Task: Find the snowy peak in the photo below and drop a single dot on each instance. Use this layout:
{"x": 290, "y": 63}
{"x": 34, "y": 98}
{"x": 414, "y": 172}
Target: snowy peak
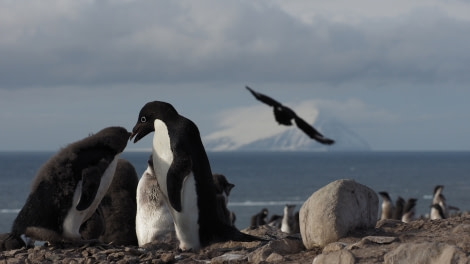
{"x": 254, "y": 129}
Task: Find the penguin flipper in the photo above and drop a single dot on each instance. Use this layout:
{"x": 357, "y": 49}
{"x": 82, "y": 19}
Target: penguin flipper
{"x": 91, "y": 178}
{"x": 177, "y": 172}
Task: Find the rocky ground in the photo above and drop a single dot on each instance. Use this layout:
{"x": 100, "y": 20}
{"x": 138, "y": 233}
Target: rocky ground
{"x": 425, "y": 241}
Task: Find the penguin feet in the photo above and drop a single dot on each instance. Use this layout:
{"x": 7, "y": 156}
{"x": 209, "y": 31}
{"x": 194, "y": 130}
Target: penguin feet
{"x": 184, "y": 250}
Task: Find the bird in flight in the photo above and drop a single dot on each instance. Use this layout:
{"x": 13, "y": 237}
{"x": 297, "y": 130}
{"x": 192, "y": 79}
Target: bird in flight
{"x": 284, "y": 116}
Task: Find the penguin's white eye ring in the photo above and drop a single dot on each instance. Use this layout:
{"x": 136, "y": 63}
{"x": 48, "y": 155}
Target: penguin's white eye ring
{"x": 143, "y": 119}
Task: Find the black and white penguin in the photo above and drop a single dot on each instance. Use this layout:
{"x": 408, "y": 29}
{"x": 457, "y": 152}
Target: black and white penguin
{"x": 288, "y": 219}
{"x": 399, "y": 205}
{"x": 259, "y": 219}
{"x": 69, "y": 187}
{"x": 222, "y": 189}
{"x": 153, "y": 220}
{"x": 436, "y": 212}
{"x": 439, "y": 198}
{"x": 275, "y": 221}
{"x": 185, "y": 177}
{"x": 387, "y": 206}
{"x": 409, "y": 210}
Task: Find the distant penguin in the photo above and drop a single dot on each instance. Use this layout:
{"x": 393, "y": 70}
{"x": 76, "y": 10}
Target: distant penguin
{"x": 153, "y": 219}
{"x": 185, "y": 177}
{"x": 288, "y": 219}
{"x": 297, "y": 223}
{"x": 438, "y": 198}
{"x": 259, "y": 219}
{"x": 409, "y": 210}
{"x": 436, "y": 212}
{"x": 275, "y": 221}
{"x": 69, "y": 187}
{"x": 387, "y": 206}
{"x": 222, "y": 185}
{"x": 398, "y": 211}
{"x": 223, "y": 188}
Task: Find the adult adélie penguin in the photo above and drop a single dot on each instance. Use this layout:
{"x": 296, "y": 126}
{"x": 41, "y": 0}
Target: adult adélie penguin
{"x": 185, "y": 177}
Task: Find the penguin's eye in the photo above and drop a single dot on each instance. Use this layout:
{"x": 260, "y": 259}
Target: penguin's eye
{"x": 143, "y": 119}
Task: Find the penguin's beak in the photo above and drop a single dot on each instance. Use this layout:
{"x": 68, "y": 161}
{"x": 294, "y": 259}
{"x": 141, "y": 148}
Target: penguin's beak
{"x": 135, "y": 133}
{"x": 131, "y": 136}
{"x": 139, "y": 131}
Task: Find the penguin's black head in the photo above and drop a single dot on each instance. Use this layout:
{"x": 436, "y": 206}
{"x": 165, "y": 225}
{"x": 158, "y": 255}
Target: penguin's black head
{"x": 148, "y": 114}
{"x": 385, "y": 196}
{"x": 438, "y": 188}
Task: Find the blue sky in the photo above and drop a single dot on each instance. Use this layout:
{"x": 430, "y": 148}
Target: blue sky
{"x": 396, "y": 75}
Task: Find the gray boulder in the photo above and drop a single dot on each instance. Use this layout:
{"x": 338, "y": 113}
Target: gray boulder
{"x": 426, "y": 252}
{"x": 334, "y": 210}
{"x": 342, "y": 256}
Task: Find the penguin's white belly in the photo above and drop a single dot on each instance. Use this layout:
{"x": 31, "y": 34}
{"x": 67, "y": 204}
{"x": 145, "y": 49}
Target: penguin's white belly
{"x": 186, "y": 221}
{"x": 74, "y": 217}
{"x": 435, "y": 214}
{"x": 153, "y": 219}
{"x": 386, "y": 210}
{"x": 285, "y": 226}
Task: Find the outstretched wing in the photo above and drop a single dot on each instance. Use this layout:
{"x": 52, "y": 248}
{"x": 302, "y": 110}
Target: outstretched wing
{"x": 312, "y": 132}
{"x": 263, "y": 98}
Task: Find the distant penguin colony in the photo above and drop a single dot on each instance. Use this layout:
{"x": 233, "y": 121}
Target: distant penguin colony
{"x": 184, "y": 175}
{"x": 69, "y": 187}
{"x": 284, "y": 116}
{"x": 153, "y": 219}
{"x": 403, "y": 211}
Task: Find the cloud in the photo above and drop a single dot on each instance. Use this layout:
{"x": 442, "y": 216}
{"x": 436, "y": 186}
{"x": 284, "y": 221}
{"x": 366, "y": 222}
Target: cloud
{"x": 91, "y": 43}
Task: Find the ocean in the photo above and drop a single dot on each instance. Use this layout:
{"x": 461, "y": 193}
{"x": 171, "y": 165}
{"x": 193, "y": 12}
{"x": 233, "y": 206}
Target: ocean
{"x": 273, "y": 179}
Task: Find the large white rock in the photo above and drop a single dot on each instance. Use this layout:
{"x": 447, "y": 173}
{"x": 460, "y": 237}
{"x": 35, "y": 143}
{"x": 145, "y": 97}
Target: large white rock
{"x": 334, "y": 210}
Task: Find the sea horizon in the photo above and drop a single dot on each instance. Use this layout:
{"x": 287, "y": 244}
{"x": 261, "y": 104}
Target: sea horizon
{"x": 271, "y": 179}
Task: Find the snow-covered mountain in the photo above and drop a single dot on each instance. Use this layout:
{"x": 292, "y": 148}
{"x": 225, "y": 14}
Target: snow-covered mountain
{"x": 258, "y": 131}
